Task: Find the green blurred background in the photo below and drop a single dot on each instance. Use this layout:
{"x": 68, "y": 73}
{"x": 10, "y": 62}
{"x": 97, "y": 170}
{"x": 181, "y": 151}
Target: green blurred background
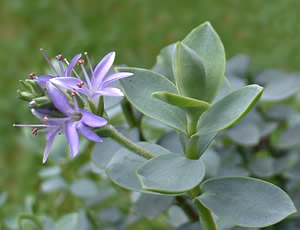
{"x": 268, "y": 31}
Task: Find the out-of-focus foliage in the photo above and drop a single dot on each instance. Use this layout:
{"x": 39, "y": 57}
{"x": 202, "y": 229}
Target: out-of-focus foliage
{"x": 136, "y": 30}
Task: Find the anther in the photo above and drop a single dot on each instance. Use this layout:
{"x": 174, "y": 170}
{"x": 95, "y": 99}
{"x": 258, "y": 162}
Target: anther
{"x": 46, "y": 118}
{"x": 80, "y": 84}
{"x": 35, "y": 131}
{"x": 80, "y": 62}
{"x": 73, "y": 92}
{"x": 59, "y": 57}
{"x": 32, "y": 75}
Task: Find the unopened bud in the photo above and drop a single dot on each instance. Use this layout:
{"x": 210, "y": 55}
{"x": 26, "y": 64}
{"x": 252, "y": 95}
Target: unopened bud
{"x": 26, "y": 96}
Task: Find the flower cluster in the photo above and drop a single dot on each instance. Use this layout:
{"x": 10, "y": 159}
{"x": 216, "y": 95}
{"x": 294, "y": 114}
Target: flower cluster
{"x": 67, "y": 112}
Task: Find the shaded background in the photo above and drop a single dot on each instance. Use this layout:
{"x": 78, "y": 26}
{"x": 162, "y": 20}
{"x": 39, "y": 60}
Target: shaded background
{"x": 267, "y": 31}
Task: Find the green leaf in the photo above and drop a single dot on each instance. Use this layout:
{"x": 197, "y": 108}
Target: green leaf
{"x": 229, "y": 110}
{"x": 122, "y": 166}
{"x": 207, "y": 44}
{"x": 164, "y": 62}
{"x": 68, "y": 222}
{"x": 151, "y": 205}
{"x": 245, "y": 133}
{"x": 282, "y": 88}
{"x": 160, "y": 174}
{"x": 189, "y": 73}
{"x": 225, "y": 89}
{"x": 138, "y": 90}
{"x": 245, "y": 201}
{"x": 84, "y": 188}
{"x": 238, "y": 65}
{"x": 290, "y": 137}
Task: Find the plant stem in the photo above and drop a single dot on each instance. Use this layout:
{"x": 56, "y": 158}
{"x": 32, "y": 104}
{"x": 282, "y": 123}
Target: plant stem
{"x": 121, "y": 139}
{"x": 206, "y": 219}
{"x": 188, "y": 209}
{"x": 128, "y": 112}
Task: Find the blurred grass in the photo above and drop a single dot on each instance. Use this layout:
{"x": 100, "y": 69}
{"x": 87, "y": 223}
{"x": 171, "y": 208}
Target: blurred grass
{"x": 268, "y": 31}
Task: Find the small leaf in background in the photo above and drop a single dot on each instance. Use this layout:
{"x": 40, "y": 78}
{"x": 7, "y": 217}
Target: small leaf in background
{"x": 150, "y": 205}
{"x": 176, "y": 216}
{"x": 238, "y": 65}
{"x": 206, "y": 43}
{"x": 263, "y": 167}
{"x": 68, "y": 222}
{"x": 290, "y": 138}
{"x": 282, "y": 88}
{"x": 225, "y": 89}
{"x": 138, "y": 90}
{"x": 50, "y": 171}
{"x": 110, "y": 215}
{"x": 171, "y": 142}
{"x": 245, "y": 133}
{"x": 84, "y": 188}
{"x": 246, "y": 202}
{"x": 269, "y": 75}
{"x": 3, "y": 198}
{"x": 229, "y": 110}
{"x": 160, "y": 174}
{"x": 54, "y": 184}
{"x": 190, "y": 226}
{"x": 212, "y": 162}
{"x": 121, "y": 168}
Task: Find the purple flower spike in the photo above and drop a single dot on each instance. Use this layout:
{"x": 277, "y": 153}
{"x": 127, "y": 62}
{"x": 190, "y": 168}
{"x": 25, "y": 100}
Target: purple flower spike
{"x": 96, "y": 84}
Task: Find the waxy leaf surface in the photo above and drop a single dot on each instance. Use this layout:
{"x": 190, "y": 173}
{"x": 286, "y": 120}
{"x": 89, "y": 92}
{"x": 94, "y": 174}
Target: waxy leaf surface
{"x": 138, "y": 90}
{"x": 245, "y": 201}
{"x": 229, "y": 110}
{"x": 171, "y": 173}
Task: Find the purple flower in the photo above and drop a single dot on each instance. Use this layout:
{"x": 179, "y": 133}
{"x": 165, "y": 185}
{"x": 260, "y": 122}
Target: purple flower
{"x": 76, "y": 120}
{"x": 97, "y": 84}
{"x": 42, "y": 80}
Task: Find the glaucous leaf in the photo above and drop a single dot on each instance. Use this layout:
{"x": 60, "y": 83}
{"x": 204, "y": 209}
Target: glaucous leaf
{"x": 245, "y": 133}
{"x": 207, "y": 44}
{"x": 263, "y": 167}
{"x": 238, "y": 65}
{"x": 68, "y": 222}
{"x": 229, "y": 110}
{"x": 212, "y": 162}
{"x": 269, "y": 75}
{"x": 53, "y": 184}
{"x": 121, "y": 168}
{"x": 282, "y": 88}
{"x": 171, "y": 142}
{"x": 189, "y": 73}
{"x": 225, "y": 89}
{"x": 50, "y": 171}
{"x": 151, "y": 205}
{"x": 177, "y": 217}
{"x": 84, "y": 188}
{"x": 138, "y": 90}
{"x": 290, "y": 137}
{"x": 3, "y": 198}
{"x": 160, "y": 174}
{"x": 245, "y": 201}
{"x": 111, "y": 215}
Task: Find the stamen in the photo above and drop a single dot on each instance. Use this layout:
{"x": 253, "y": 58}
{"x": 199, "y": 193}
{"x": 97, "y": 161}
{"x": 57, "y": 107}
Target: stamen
{"x": 90, "y": 65}
{"x": 73, "y": 92}
{"x": 31, "y": 75}
{"x": 86, "y": 75}
{"x": 47, "y": 59}
{"x": 66, "y": 61}
{"x": 59, "y": 58}
{"x": 80, "y": 62}
{"x": 75, "y": 102}
{"x": 35, "y": 131}
{"x": 80, "y": 84}
{"x": 30, "y": 125}
{"x": 46, "y": 118}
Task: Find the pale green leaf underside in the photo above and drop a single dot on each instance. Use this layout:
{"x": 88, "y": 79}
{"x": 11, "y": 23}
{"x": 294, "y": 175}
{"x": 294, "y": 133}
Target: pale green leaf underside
{"x": 171, "y": 173}
{"x": 229, "y": 110}
{"x": 246, "y": 201}
{"x": 138, "y": 90}
{"x": 207, "y": 44}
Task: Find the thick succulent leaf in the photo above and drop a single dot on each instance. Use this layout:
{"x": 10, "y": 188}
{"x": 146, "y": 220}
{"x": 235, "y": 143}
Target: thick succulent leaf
{"x": 122, "y": 166}
{"x": 164, "y": 62}
{"x": 229, "y": 110}
{"x": 84, "y": 188}
{"x": 245, "y": 133}
{"x": 290, "y": 137}
{"x": 245, "y": 201}
{"x": 138, "y": 90}
{"x": 238, "y": 65}
{"x": 151, "y": 205}
{"x": 189, "y": 73}
{"x": 207, "y": 44}
{"x": 282, "y": 88}
{"x": 161, "y": 174}
{"x": 225, "y": 89}
{"x": 212, "y": 162}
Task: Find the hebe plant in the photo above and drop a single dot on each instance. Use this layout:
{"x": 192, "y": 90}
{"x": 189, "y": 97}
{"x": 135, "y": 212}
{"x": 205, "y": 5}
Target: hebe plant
{"x": 168, "y": 152}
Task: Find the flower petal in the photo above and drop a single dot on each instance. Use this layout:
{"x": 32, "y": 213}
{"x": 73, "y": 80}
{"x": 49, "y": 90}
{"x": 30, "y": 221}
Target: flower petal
{"x": 110, "y": 91}
{"x": 50, "y": 136}
{"x": 102, "y": 69}
{"x": 91, "y": 119}
{"x": 52, "y": 121}
{"x": 88, "y": 133}
{"x": 70, "y": 83}
{"x": 72, "y": 137}
{"x": 59, "y": 100}
{"x": 71, "y": 65}
{"x": 42, "y": 80}
{"x": 115, "y": 76}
